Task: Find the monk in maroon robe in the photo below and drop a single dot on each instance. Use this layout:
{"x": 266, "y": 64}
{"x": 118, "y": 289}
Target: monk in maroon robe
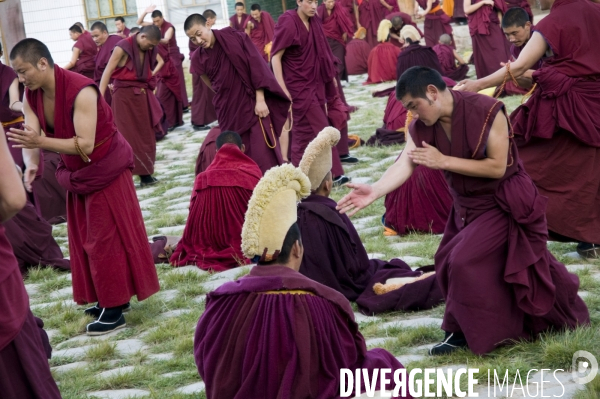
{"x": 349, "y": 6}
{"x": 398, "y": 20}
{"x": 490, "y": 47}
{"x": 357, "y": 56}
{"x": 106, "y": 43}
{"x": 23, "y": 357}
{"x": 560, "y": 146}
{"x": 212, "y": 236}
{"x": 84, "y": 52}
{"x": 448, "y": 57}
{"x": 338, "y": 28}
{"x": 497, "y": 221}
{"x": 416, "y": 55}
{"x": 371, "y": 13}
{"x": 247, "y": 98}
{"x": 208, "y": 150}
{"x": 122, "y": 30}
{"x": 169, "y": 40}
{"x": 381, "y": 64}
{"x": 436, "y": 21}
{"x": 259, "y": 25}
{"x": 237, "y": 21}
{"x": 168, "y": 91}
{"x": 203, "y": 110}
{"x": 304, "y": 67}
{"x": 11, "y": 107}
{"x": 138, "y": 114}
{"x": 110, "y": 256}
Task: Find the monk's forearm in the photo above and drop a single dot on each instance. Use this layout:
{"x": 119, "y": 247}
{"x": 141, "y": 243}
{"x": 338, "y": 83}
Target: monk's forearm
{"x": 31, "y": 157}
{"x": 394, "y": 177}
{"x": 489, "y": 168}
{"x": 66, "y": 146}
{"x": 68, "y": 66}
{"x": 140, "y": 20}
{"x": 278, "y": 72}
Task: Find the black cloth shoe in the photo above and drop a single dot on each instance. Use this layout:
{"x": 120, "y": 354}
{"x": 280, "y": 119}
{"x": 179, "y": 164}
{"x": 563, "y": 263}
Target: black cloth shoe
{"x": 147, "y": 180}
{"x": 347, "y": 159}
{"x": 95, "y": 310}
{"x": 200, "y": 127}
{"x": 186, "y": 110}
{"x": 340, "y": 180}
{"x": 110, "y": 319}
{"x": 588, "y": 251}
{"x": 451, "y": 343}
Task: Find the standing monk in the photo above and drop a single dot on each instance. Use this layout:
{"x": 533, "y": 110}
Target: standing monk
{"x": 490, "y": 47}
{"x": 259, "y": 26}
{"x": 493, "y": 266}
{"x": 138, "y": 113}
{"x": 557, "y": 129}
{"x": 84, "y": 52}
{"x": 122, "y": 30}
{"x": 237, "y": 21}
{"x": 338, "y": 28}
{"x": 167, "y": 31}
{"x": 257, "y": 108}
{"x": 106, "y": 43}
{"x": 110, "y": 256}
{"x": 203, "y": 110}
{"x": 304, "y": 67}
{"x": 370, "y": 13}
{"x": 436, "y": 21}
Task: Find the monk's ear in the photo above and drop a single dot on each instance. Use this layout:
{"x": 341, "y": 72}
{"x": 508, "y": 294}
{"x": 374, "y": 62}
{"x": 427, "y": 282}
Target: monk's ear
{"x": 243, "y": 148}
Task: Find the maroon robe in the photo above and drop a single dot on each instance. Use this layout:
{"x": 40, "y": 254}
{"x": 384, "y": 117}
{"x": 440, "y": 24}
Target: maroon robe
{"x": 208, "y": 150}
{"x": 558, "y": 129}
{"x": 231, "y": 61}
{"x": 357, "y": 56}
{"x": 335, "y": 25}
{"x": 237, "y": 24}
{"x": 490, "y": 46}
{"x": 49, "y": 196}
{"x": 262, "y": 33}
{"x": 417, "y": 55}
{"x": 125, "y": 32}
{"x": 31, "y": 239}
{"x": 459, "y": 10}
{"x": 256, "y": 339}
{"x": 168, "y": 91}
{"x": 23, "y": 358}
{"x": 348, "y": 7}
{"x": 309, "y": 72}
{"x": 9, "y": 118}
{"x": 177, "y": 59}
{"x": 436, "y": 23}
{"x": 510, "y": 88}
{"x": 338, "y": 114}
{"x": 382, "y": 63}
{"x": 212, "y": 238}
{"x": 85, "y": 64}
{"x": 445, "y": 54}
{"x": 203, "y": 110}
{"x": 370, "y": 14}
{"x": 499, "y": 223}
{"x": 110, "y": 256}
{"x": 101, "y": 60}
{"x": 407, "y": 20}
{"x": 136, "y": 110}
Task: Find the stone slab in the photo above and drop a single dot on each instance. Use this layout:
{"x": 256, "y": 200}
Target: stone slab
{"x": 405, "y": 359}
{"x": 69, "y": 366}
{"x": 67, "y": 291}
{"x": 188, "y": 269}
{"x": 178, "y": 190}
{"x": 119, "y": 394}
{"x": 129, "y": 346}
{"x": 361, "y": 318}
{"x": 117, "y": 371}
{"x": 371, "y": 342}
{"x": 161, "y": 356}
{"x": 192, "y": 388}
{"x": 422, "y": 321}
{"x": 175, "y": 313}
{"x": 401, "y": 246}
{"x": 214, "y": 284}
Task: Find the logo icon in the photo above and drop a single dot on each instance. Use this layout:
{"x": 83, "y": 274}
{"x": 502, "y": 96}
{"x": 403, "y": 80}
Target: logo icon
{"x": 585, "y": 367}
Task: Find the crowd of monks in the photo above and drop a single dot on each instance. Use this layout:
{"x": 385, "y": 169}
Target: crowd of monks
{"x": 497, "y": 186}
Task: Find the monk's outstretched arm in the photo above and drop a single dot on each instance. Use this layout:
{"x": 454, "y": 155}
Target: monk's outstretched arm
{"x": 112, "y": 64}
{"x": 159, "y": 64}
{"x": 74, "y": 58}
{"x": 492, "y": 167}
{"x": 31, "y": 157}
{"x": 148, "y": 10}
{"x": 15, "y": 102}
{"x": 535, "y": 49}
{"x": 278, "y": 71}
{"x": 12, "y": 195}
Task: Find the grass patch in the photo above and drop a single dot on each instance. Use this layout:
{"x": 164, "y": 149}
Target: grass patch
{"x": 103, "y": 350}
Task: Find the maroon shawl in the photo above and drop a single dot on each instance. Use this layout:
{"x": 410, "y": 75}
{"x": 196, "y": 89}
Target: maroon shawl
{"x": 239, "y": 26}
{"x": 87, "y": 54}
{"x": 108, "y": 160}
{"x": 336, "y": 24}
{"x": 479, "y": 21}
{"x": 7, "y": 77}
{"x": 263, "y": 31}
{"x": 172, "y": 45}
{"x": 103, "y": 56}
{"x": 417, "y": 55}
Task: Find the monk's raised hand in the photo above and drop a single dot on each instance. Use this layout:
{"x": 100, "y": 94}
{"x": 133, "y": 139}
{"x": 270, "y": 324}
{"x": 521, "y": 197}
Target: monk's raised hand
{"x": 428, "y": 156}
{"x": 26, "y": 138}
{"x": 361, "y": 196}
{"x": 261, "y": 109}
{"x": 150, "y": 8}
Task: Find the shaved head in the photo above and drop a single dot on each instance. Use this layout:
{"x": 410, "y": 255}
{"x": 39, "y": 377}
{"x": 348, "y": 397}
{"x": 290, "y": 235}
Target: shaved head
{"x": 99, "y": 26}
{"x": 31, "y": 51}
{"x": 194, "y": 19}
{"x": 229, "y": 137}
{"x": 152, "y": 32}
{"x": 397, "y": 22}
{"x": 209, "y": 14}
{"x": 446, "y": 39}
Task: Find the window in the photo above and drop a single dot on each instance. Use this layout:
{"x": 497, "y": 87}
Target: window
{"x": 106, "y": 11}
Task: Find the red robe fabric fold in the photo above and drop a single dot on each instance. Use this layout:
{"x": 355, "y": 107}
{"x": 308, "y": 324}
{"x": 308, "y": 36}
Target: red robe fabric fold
{"x": 254, "y": 342}
{"x": 414, "y": 55}
{"x": 558, "y": 130}
{"x": 348, "y": 7}
{"x": 448, "y": 64}
{"x": 262, "y": 33}
{"x": 87, "y": 54}
{"x": 234, "y": 60}
{"x": 436, "y": 23}
{"x": 110, "y": 256}
{"x": 335, "y": 24}
{"x": 370, "y": 14}
{"x": 357, "y": 57}
{"x": 168, "y": 90}
{"x": 101, "y": 60}
{"x": 499, "y": 223}
{"x": 203, "y": 110}
{"x": 49, "y": 196}
{"x": 238, "y": 24}
{"x": 177, "y": 59}
{"x": 382, "y": 63}
{"x": 212, "y": 238}
{"x": 208, "y": 150}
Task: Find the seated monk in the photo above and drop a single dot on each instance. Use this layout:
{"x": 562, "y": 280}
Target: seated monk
{"x": 333, "y": 252}
{"x": 208, "y": 150}
{"x": 162, "y": 248}
{"x": 381, "y": 65}
{"x": 448, "y": 58}
{"x": 399, "y": 19}
{"x": 414, "y": 54}
{"x": 211, "y": 238}
{"x": 295, "y": 333}
{"x": 357, "y": 55}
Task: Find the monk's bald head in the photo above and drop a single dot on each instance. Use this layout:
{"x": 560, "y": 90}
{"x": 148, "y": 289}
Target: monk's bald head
{"x": 197, "y": 28}
{"x": 422, "y": 91}
{"x": 516, "y": 26}
{"x": 397, "y": 22}
{"x": 446, "y": 39}
{"x": 192, "y": 20}
{"x": 99, "y": 33}
{"x": 32, "y": 62}
{"x": 31, "y": 51}
{"x": 229, "y": 137}
{"x": 211, "y": 17}
{"x": 152, "y": 32}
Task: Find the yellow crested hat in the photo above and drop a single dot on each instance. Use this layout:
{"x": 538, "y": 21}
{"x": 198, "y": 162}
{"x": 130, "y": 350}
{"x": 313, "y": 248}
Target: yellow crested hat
{"x": 409, "y": 31}
{"x": 383, "y": 31}
{"x": 316, "y": 161}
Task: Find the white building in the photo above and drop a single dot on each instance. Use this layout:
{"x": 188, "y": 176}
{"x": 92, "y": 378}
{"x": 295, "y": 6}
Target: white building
{"x": 50, "y": 20}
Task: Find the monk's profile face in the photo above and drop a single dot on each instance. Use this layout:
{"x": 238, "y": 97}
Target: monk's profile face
{"x": 145, "y": 43}
{"x": 427, "y": 109}
{"x": 120, "y": 25}
{"x": 99, "y": 37}
{"x": 329, "y": 4}
{"x": 200, "y": 35}
{"x": 518, "y": 35}
{"x": 210, "y": 22}
{"x": 31, "y": 76}
{"x": 158, "y": 21}
{"x": 239, "y": 11}
{"x": 307, "y": 7}
{"x": 74, "y": 35}
{"x": 255, "y": 14}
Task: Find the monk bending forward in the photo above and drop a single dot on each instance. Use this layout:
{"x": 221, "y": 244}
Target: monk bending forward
{"x": 499, "y": 280}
